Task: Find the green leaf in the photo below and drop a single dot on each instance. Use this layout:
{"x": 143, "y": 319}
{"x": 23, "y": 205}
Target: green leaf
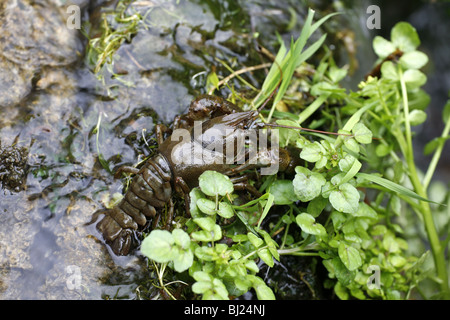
{"x": 382, "y": 47}
{"x": 255, "y": 240}
{"x": 312, "y": 152}
{"x": 338, "y": 269}
{"x": 383, "y": 150}
{"x": 396, "y": 188}
{"x": 205, "y": 253}
{"x": 242, "y": 283}
{"x": 271, "y": 244}
{"x": 346, "y": 163}
{"x": 418, "y": 99}
{"x": 252, "y": 266}
{"x": 283, "y": 192}
{"x": 414, "y": 78}
{"x": 183, "y": 260}
{"x": 341, "y": 291}
{"x": 338, "y": 219}
{"x": 307, "y": 184}
{"x": 181, "y": 238}
{"x": 323, "y": 88}
{"x": 206, "y": 206}
{"x": 220, "y": 291}
{"x": 202, "y": 276}
{"x": 366, "y": 211}
{"x": 267, "y": 206}
{"x": 158, "y": 246}
{"x": 287, "y": 135}
{"x": 266, "y": 256}
{"x": 263, "y": 292}
{"x": 213, "y": 183}
{"x": 350, "y": 256}
{"x": 388, "y": 71}
{"x": 309, "y": 225}
{"x": 413, "y": 60}
{"x": 362, "y": 133}
{"x": 337, "y": 74}
{"x": 211, "y": 288}
{"x": 352, "y": 145}
{"x": 316, "y": 206}
{"x": 404, "y": 36}
{"x": 397, "y": 260}
{"x": 351, "y": 172}
{"x": 225, "y": 210}
{"x": 433, "y": 144}
{"x": 201, "y": 287}
{"x": 346, "y": 199}
{"x": 205, "y": 223}
{"x": 212, "y": 80}
{"x": 194, "y": 195}
{"x": 292, "y": 60}
{"x": 206, "y": 236}
{"x": 446, "y": 112}
{"x": 417, "y": 117}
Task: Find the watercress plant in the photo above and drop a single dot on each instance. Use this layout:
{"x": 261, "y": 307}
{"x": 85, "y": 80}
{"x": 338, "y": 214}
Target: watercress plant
{"x": 350, "y": 198}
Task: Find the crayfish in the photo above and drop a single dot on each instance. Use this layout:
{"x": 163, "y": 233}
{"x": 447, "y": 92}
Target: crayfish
{"x": 209, "y": 133}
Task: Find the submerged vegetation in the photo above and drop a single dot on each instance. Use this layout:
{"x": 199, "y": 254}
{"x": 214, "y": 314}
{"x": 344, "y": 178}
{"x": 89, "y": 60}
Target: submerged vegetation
{"x": 354, "y": 205}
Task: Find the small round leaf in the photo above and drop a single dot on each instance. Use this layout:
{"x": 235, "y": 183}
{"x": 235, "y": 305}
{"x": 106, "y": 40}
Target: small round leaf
{"x": 307, "y": 184}
{"x": 206, "y": 206}
{"x": 312, "y": 152}
{"x": 225, "y": 210}
{"x": 382, "y": 47}
{"x": 283, "y": 192}
{"x": 413, "y": 60}
{"x": 362, "y": 133}
{"x": 181, "y": 238}
{"x": 404, "y": 36}
{"x": 350, "y": 256}
{"x": 417, "y": 117}
{"x": 158, "y": 246}
{"x": 414, "y": 78}
{"x": 213, "y": 183}
{"x": 309, "y": 225}
{"x": 346, "y": 199}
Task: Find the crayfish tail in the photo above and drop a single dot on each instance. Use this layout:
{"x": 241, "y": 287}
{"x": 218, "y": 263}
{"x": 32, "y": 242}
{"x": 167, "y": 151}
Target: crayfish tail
{"x": 118, "y": 230}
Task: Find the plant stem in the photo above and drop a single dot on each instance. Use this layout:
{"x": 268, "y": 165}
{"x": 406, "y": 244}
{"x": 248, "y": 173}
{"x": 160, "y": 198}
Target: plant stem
{"x": 436, "y": 156}
{"x": 436, "y": 248}
{"x": 297, "y": 251}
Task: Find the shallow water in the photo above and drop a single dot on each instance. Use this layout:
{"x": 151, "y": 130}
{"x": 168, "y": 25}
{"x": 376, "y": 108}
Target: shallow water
{"x": 52, "y": 103}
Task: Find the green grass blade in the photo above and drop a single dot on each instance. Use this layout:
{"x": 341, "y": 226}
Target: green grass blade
{"x": 267, "y": 207}
{"x": 393, "y": 186}
{"x": 305, "y": 114}
{"x": 352, "y": 172}
{"x": 321, "y": 21}
{"x": 313, "y": 48}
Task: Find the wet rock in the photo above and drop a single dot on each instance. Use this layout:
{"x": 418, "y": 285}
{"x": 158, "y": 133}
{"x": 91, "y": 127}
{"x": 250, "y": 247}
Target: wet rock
{"x": 16, "y": 236}
{"x": 15, "y": 82}
{"x": 34, "y": 33}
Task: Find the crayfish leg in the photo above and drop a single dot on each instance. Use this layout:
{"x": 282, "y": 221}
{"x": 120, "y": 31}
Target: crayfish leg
{"x": 245, "y": 185}
{"x": 126, "y": 169}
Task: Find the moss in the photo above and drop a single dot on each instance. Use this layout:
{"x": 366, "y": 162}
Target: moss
{"x": 13, "y": 167}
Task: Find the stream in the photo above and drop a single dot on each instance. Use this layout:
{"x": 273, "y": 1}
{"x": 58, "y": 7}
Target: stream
{"x": 57, "y": 117}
